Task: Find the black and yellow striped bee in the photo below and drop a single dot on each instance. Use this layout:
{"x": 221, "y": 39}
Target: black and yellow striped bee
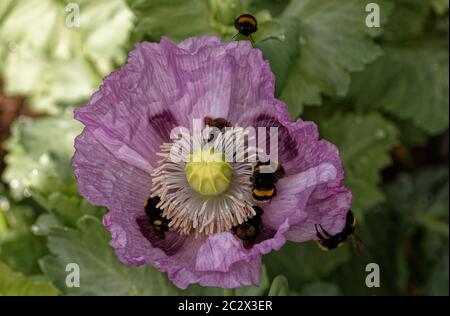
{"x": 263, "y": 184}
{"x": 328, "y": 242}
{"x": 246, "y": 25}
{"x": 249, "y": 231}
{"x": 154, "y": 214}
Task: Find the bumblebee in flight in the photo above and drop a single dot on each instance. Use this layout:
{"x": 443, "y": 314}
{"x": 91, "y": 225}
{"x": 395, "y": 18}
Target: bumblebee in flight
{"x": 263, "y": 184}
{"x": 246, "y": 25}
{"x": 328, "y": 242}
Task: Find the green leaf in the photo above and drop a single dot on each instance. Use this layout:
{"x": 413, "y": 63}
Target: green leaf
{"x": 19, "y": 247}
{"x": 35, "y": 164}
{"x": 407, "y": 20}
{"x": 15, "y": 284}
{"x": 69, "y": 209}
{"x": 438, "y": 283}
{"x": 101, "y": 273}
{"x": 410, "y": 82}
{"x": 410, "y": 134}
{"x": 384, "y": 235}
{"x": 424, "y": 198}
{"x": 321, "y": 289}
{"x": 44, "y": 223}
{"x": 268, "y": 30}
{"x": 299, "y": 262}
{"x": 440, "y": 6}
{"x": 334, "y": 41}
{"x": 350, "y": 278}
{"x": 422, "y": 201}
{"x": 275, "y": 7}
{"x": 279, "y": 286}
{"x": 42, "y": 169}
{"x": 56, "y": 64}
{"x": 406, "y": 250}
{"x": 21, "y": 250}
{"x": 162, "y": 18}
{"x": 223, "y": 12}
{"x": 282, "y": 53}
{"x": 364, "y": 143}
{"x": 4, "y": 203}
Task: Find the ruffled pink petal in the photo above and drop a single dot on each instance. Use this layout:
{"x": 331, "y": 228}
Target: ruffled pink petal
{"x": 194, "y": 44}
{"x": 130, "y": 112}
{"x": 184, "y": 265}
{"x": 239, "y": 274}
{"x": 326, "y": 206}
{"x": 313, "y": 187}
{"x": 253, "y": 87}
{"x": 206, "y": 71}
{"x": 106, "y": 180}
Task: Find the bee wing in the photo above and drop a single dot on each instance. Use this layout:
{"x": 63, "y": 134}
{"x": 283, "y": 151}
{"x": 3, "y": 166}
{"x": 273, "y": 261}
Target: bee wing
{"x": 359, "y": 246}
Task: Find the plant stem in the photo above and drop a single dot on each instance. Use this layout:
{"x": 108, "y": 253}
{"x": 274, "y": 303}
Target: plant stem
{"x": 3, "y": 224}
{"x": 229, "y": 292}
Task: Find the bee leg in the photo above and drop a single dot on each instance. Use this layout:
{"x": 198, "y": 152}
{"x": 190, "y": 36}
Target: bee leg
{"x": 318, "y": 234}
{"x": 251, "y": 39}
{"x": 324, "y": 231}
{"x": 235, "y": 36}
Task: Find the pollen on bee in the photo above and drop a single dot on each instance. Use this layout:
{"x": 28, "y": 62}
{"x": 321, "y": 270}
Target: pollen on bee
{"x": 267, "y": 193}
{"x": 246, "y": 19}
{"x": 157, "y": 222}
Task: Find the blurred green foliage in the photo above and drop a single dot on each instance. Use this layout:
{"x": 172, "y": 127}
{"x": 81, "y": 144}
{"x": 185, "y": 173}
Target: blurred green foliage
{"x": 377, "y": 93}
{"x": 13, "y": 283}
{"x": 53, "y": 64}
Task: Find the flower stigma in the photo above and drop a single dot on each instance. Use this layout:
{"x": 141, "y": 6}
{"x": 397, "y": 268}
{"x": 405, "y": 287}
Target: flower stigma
{"x": 208, "y": 173}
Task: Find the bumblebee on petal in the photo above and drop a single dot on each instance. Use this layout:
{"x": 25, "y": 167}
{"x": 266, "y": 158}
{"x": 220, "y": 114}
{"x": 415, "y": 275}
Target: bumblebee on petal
{"x": 250, "y": 230}
{"x": 219, "y": 123}
{"x": 263, "y": 183}
{"x": 328, "y": 242}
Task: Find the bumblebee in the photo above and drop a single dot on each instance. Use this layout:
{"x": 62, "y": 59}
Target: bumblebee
{"x": 328, "y": 242}
{"x": 219, "y": 123}
{"x": 154, "y": 214}
{"x": 250, "y": 230}
{"x": 246, "y": 25}
{"x": 263, "y": 184}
